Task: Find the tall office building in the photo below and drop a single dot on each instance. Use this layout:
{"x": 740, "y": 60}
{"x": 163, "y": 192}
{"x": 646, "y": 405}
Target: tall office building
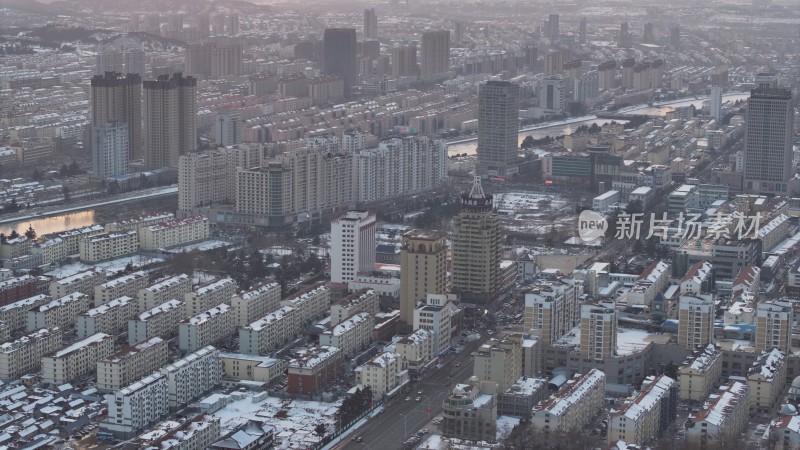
{"x": 675, "y": 37}
{"x": 476, "y": 248}
{"x": 768, "y": 141}
{"x": 204, "y": 25}
{"x": 170, "y": 119}
{"x": 624, "y": 35}
{"x": 598, "y": 331}
{"x": 135, "y": 22}
{"x": 423, "y": 270}
{"x": 134, "y": 61}
{"x": 774, "y": 325}
{"x": 110, "y": 149}
{"x": 715, "y": 103}
{"x": 695, "y": 321}
{"x": 582, "y": 31}
{"x": 219, "y": 25}
{"x": 458, "y": 34}
{"x": 352, "y": 246}
{"x": 404, "y": 61}
{"x": 606, "y": 72}
{"x": 119, "y": 99}
{"x": 435, "y": 48}
{"x": 176, "y": 21}
{"x": 228, "y": 129}
{"x": 233, "y": 24}
{"x": 339, "y": 56}
{"x": 648, "y": 37}
{"x": 370, "y": 24}
{"x": 152, "y": 23}
{"x": 498, "y": 126}
{"x": 108, "y": 61}
{"x": 553, "y": 32}
{"x": 551, "y": 95}
{"x": 213, "y": 60}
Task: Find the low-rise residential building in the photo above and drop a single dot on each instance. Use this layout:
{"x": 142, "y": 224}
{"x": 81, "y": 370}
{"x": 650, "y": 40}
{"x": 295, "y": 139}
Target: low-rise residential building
{"x": 360, "y": 301}
{"x": 645, "y": 416}
{"x": 77, "y": 359}
{"x": 383, "y": 373}
{"x": 785, "y": 433}
{"x": 124, "y": 286}
{"x": 165, "y": 289}
{"x": 192, "y": 376}
{"x": 206, "y": 328}
{"x": 134, "y": 223}
{"x": 698, "y": 279}
{"x": 499, "y": 360}
{"x": 313, "y": 369}
{"x": 137, "y": 406}
{"x": 574, "y": 405}
{"x": 197, "y": 433}
{"x": 15, "y": 315}
{"x": 722, "y": 418}
{"x": 101, "y": 247}
{"x": 651, "y": 281}
{"x": 257, "y": 302}
{"x": 130, "y": 363}
{"x": 18, "y": 288}
{"x": 71, "y": 238}
{"x": 419, "y": 351}
{"x": 174, "y": 233}
{"x": 270, "y": 332}
{"x": 470, "y": 411}
{"x": 208, "y": 295}
{"x": 311, "y": 305}
{"x": 253, "y": 435}
{"x": 519, "y": 399}
{"x": 62, "y": 312}
{"x": 767, "y": 379}
{"x": 52, "y": 251}
{"x": 83, "y": 282}
{"x": 24, "y": 355}
{"x": 159, "y": 321}
{"x": 111, "y": 317}
{"x": 239, "y": 366}
{"x": 700, "y": 374}
{"x": 351, "y": 335}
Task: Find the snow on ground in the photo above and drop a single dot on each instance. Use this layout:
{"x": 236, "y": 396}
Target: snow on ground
{"x": 294, "y": 420}
{"x": 110, "y": 267}
{"x": 201, "y": 246}
{"x": 504, "y": 426}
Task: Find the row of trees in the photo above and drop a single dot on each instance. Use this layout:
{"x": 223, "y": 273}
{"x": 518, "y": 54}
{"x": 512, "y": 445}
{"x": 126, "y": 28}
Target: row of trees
{"x": 248, "y": 267}
{"x": 355, "y": 405}
{"x": 30, "y": 233}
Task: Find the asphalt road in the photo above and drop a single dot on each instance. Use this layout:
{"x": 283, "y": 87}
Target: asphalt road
{"x": 401, "y": 419}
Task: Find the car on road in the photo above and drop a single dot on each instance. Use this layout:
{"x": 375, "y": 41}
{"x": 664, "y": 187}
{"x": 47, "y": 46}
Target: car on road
{"x": 424, "y": 431}
{"x": 473, "y": 354}
{"x": 419, "y": 392}
{"x": 418, "y": 399}
{"x": 408, "y": 399}
{"x": 458, "y": 364}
